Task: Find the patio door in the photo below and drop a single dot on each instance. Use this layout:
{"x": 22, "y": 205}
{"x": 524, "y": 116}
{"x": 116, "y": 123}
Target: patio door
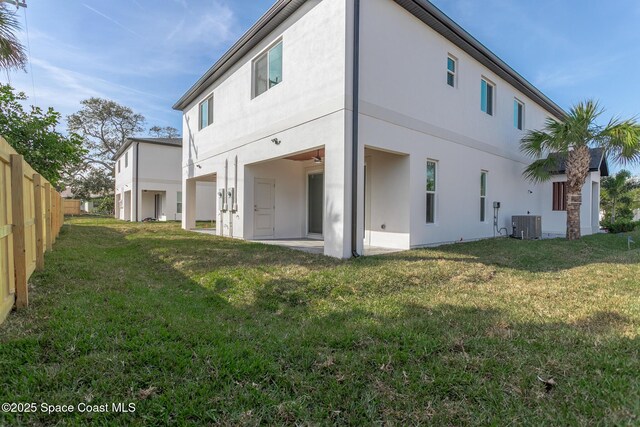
{"x": 315, "y": 203}
{"x": 264, "y": 207}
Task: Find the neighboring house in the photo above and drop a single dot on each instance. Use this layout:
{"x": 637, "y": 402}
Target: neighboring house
{"x": 420, "y": 159}
{"x": 149, "y": 182}
{"x": 636, "y": 214}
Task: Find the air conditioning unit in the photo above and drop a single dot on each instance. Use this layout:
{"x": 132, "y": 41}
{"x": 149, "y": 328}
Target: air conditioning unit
{"x": 527, "y": 227}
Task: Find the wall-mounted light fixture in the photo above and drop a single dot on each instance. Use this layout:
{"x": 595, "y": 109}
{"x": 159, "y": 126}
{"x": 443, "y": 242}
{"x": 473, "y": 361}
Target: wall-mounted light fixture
{"x": 199, "y": 167}
{"x": 317, "y": 158}
{"x": 276, "y": 141}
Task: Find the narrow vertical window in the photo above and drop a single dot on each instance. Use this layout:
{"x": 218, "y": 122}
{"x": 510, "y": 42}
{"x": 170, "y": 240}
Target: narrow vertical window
{"x": 126, "y": 159}
{"x": 206, "y": 113}
{"x": 451, "y": 70}
{"x": 431, "y": 186}
{"x": 483, "y": 196}
{"x": 518, "y": 114}
{"x": 267, "y": 70}
{"x": 179, "y": 203}
{"x": 487, "y": 96}
{"x": 559, "y": 196}
{"x": 119, "y": 169}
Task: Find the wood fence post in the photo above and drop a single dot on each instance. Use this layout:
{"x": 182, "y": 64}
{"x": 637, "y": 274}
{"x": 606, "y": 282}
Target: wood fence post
{"x": 19, "y": 249}
{"x": 54, "y": 214}
{"x": 37, "y": 204}
{"x": 47, "y": 205}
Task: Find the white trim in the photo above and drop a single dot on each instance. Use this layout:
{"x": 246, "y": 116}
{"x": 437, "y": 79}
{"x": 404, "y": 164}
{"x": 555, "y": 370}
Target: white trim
{"x": 454, "y": 72}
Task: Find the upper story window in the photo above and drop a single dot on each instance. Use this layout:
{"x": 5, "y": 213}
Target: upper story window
{"x": 126, "y": 160}
{"x": 452, "y": 66}
{"x": 267, "y": 70}
{"x": 205, "y": 115}
{"x": 487, "y": 96}
{"x": 119, "y": 166}
{"x": 518, "y": 114}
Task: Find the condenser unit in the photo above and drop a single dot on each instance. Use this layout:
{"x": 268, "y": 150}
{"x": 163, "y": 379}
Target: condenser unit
{"x": 527, "y": 227}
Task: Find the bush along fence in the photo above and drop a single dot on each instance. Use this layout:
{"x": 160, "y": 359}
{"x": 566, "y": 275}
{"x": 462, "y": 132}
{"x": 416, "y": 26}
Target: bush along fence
{"x": 31, "y": 215}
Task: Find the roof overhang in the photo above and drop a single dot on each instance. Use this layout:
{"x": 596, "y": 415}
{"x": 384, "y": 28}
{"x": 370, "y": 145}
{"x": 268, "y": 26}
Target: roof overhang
{"x": 421, "y": 9}
{"x": 445, "y": 26}
{"x": 170, "y": 142}
{"x": 275, "y": 16}
{"x": 598, "y": 162}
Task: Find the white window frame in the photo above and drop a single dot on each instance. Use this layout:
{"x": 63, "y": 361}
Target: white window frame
{"x": 493, "y": 96}
{"x": 179, "y": 203}
{"x": 434, "y": 192}
{"x": 483, "y": 197}
{"x": 454, "y": 73}
{"x": 209, "y": 112}
{"x": 266, "y": 52}
{"x": 515, "y": 112}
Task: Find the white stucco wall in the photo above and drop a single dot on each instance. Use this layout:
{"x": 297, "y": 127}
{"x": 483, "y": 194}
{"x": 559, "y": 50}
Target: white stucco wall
{"x": 159, "y": 172}
{"x": 305, "y": 111}
{"x": 406, "y": 109}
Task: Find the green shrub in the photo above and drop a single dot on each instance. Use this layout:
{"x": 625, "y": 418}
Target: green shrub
{"x": 620, "y": 226}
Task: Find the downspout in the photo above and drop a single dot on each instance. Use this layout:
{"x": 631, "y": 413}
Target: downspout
{"x": 354, "y": 128}
{"x": 137, "y": 174}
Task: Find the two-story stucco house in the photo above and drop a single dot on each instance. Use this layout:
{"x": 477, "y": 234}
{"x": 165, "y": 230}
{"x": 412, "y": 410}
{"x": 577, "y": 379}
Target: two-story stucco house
{"x": 149, "y": 182}
{"x": 366, "y": 123}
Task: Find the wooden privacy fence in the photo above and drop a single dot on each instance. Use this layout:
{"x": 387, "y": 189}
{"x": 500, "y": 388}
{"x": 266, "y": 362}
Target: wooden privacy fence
{"x": 71, "y": 206}
{"x": 31, "y": 215}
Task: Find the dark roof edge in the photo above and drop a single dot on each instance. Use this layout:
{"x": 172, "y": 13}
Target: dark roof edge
{"x": 422, "y": 9}
{"x": 445, "y": 26}
{"x": 277, "y": 14}
{"x": 129, "y": 141}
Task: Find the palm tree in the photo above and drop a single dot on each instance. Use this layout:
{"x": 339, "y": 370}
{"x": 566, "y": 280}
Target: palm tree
{"x": 617, "y": 192}
{"x": 571, "y": 139}
{"x": 12, "y": 53}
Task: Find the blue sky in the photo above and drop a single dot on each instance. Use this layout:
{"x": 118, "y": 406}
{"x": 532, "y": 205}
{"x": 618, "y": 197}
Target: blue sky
{"x": 147, "y": 53}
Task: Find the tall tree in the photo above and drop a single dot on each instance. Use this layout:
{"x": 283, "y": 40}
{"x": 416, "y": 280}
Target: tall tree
{"x": 12, "y": 53}
{"x": 91, "y": 182}
{"x": 572, "y": 138}
{"x": 164, "y": 132}
{"x": 617, "y": 195}
{"x": 33, "y": 134}
{"x": 104, "y": 126}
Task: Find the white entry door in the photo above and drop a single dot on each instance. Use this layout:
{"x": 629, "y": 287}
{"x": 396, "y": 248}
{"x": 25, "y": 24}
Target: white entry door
{"x": 264, "y": 191}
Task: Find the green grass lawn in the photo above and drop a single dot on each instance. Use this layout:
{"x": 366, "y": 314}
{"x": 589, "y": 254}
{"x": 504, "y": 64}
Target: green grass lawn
{"x": 198, "y": 329}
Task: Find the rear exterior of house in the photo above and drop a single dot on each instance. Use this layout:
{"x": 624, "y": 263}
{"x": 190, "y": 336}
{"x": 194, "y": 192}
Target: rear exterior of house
{"x": 148, "y": 182}
{"x": 435, "y": 141}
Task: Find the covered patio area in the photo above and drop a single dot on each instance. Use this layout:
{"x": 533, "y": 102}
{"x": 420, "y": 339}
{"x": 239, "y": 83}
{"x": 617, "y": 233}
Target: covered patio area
{"x": 314, "y": 246}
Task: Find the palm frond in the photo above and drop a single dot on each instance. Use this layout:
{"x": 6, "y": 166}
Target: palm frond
{"x": 541, "y": 170}
{"x": 12, "y": 52}
{"x": 621, "y": 140}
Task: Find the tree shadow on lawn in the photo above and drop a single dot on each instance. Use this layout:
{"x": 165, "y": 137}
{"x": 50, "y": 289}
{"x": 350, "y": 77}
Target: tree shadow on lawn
{"x": 111, "y": 320}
